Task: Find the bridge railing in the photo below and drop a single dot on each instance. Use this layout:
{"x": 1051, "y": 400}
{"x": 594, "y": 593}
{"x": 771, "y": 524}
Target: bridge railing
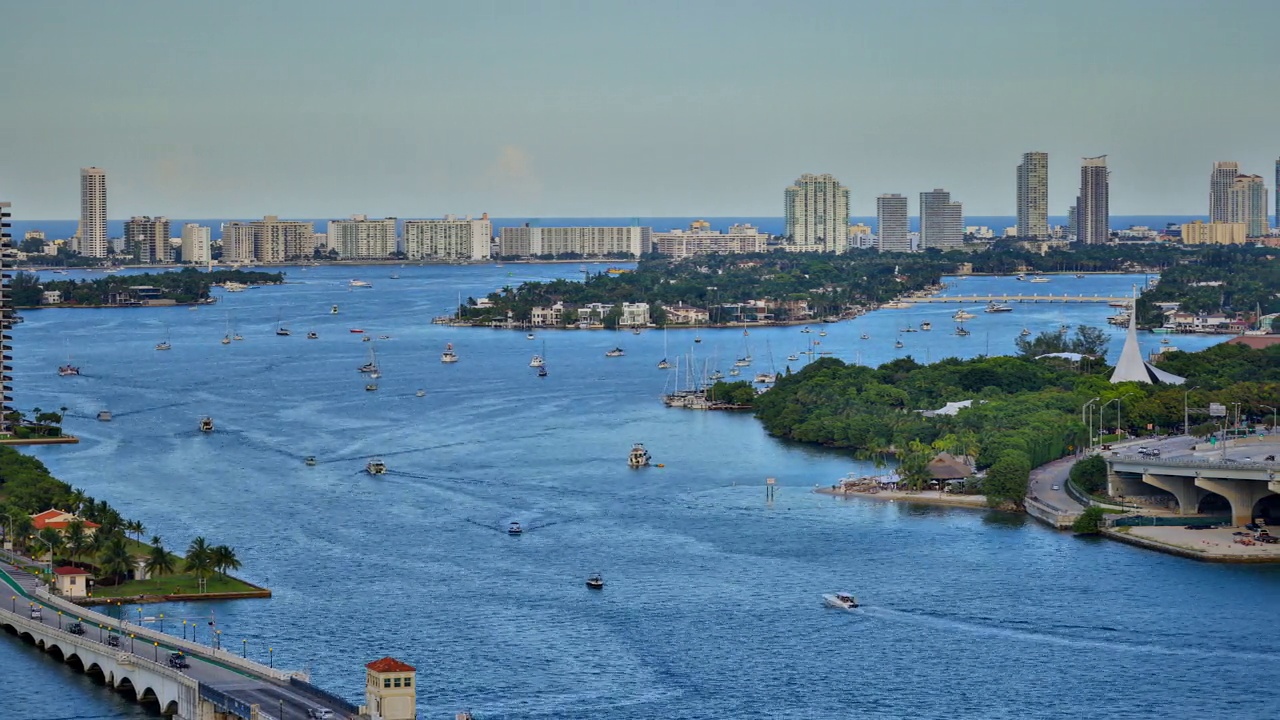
{"x": 1206, "y": 464}
{"x": 225, "y": 703}
{"x": 328, "y": 697}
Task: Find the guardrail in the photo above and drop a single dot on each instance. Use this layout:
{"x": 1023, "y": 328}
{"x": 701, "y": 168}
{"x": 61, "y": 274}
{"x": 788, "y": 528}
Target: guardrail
{"x": 1205, "y": 464}
{"x": 329, "y": 697}
{"x": 225, "y": 703}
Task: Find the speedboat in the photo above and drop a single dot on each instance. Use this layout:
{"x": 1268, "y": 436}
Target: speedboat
{"x": 616, "y": 352}
{"x": 806, "y": 330}
{"x": 734, "y": 372}
{"x": 537, "y": 361}
{"x": 376, "y": 467}
{"x": 359, "y": 284}
{"x": 926, "y": 326}
{"x": 104, "y": 415}
{"x": 513, "y": 528}
{"x": 312, "y": 336}
{"x": 639, "y": 457}
{"x": 766, "y": 378}
{"x": 65, "y": 370}
{"x": 309, "y": 460}
{"x": 865, "y": 336}
{"x": 420, "y": 393}
{"x": 164, "y": 346}
{"x": 448, "y": 356}
{"x": 206, "y": 424}
{"x": 333, "y": 310}
{"x": 962, "y": 315}
{"x": 529, "y": 336}
{"x": 840, "y": 601}
{"x": 793, "y": 358}
{"x": 595, "y": 582}
{"x": 994, "y": 307}
{"x": 961, "y": 331}
{"x": 663, "y": 364}
{"x": 1039, "y": 279}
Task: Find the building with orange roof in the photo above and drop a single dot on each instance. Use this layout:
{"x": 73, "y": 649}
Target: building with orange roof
{"x": 389, "y": 690}
{"x": 59, "y": 520}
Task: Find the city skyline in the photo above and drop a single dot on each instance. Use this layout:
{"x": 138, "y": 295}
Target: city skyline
{"x": 577, "y": 128}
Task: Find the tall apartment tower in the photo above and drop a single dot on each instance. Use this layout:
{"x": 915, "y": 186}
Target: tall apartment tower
{"x": 195, "y": 243}
{"x": 93, "y": 212}
{"x": 6, "y": 320}
{"x": 817, "y": 213}
{"x": 1247, "y": 203}
{"x": 363, "y": 239}
{"x": 941, "y": 221}
{"x": 1033, "y": 195}
{"x": 892, "y": 230}
{"x": 1093, "y": 212}
{"x": 1277, "y": 193}
{"x": 147, "y": 239}
{"x": 1220, "y": 182}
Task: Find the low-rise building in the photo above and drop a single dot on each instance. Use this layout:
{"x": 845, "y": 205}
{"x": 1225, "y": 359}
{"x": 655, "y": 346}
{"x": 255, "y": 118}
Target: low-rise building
{"x": 72, "y": 582}
{"x": 681, "y": 314}
{"x": 59, "y": 520}
{"x": 547, "y": 316}
{"x": 390, "y": 690}
{"x": 634, "y": 315}
{"x": 1198, "y": 232}
{"x": 699, "y": 239}
{"x": 51, "y": 297}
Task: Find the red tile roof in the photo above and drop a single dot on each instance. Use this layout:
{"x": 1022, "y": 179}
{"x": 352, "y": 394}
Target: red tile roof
{"x": 1257, "y": 342}
{"x": 69, "y": 570}
{"x": 390, "y": 664}
{"x": 50, "y": 519}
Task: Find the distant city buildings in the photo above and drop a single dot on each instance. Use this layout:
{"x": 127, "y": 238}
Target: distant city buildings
{"x": 360, "y": 238}
{"x": 195, "y": 243}
{"x": 817, "y": 214}
{"x": 1247, "y": 203}
{"x": 1033, "y": 195}
{"x": 892, "y": 228}
{"x": 1220, "y": 182}
{"x": 92, "y": 236}
{"x": 700, "y": 239}
{"x": 1093, "y": 213}
{"x": 146, "y": 239}
{"x": 7, "y": 252}
{"x": 269, "y": 240}
{"x": 1198, "y": 232}
{"x": 449, "y": 238}
{"x": 861, "y": 237}
{"x": 941, "y": 221}
{"x": 531, "y": 241}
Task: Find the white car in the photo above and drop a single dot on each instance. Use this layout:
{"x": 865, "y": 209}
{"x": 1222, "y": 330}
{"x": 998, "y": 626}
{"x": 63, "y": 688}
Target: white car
{"x": 1055, "y": 487}
{"x": 320, "y": 713}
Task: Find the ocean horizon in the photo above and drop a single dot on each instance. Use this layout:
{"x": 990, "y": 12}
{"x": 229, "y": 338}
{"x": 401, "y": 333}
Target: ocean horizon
{"x": 61, "y": 229}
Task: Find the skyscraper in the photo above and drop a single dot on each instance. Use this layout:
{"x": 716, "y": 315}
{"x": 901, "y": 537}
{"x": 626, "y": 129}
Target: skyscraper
{"x": 147, "y": 239}
{"x": 891, "y": 220}
{"x": 1093, "y": 212}
{"x": 1247, "y": 203}
{"x": 817, "y": 214}
{"x": 1033, "y": 195}
{"x": 195, "y": 243}
{"x": 941, "y": 221}
{"x": 1220, "y": 181}
{"x": 6, "y": 321}
{"x": 93, "y": 212}
{"x": 1277, "y": 192}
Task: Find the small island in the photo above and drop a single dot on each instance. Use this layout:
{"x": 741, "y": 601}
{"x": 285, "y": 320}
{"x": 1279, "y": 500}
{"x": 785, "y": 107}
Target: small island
{"x": 185, "y": 287}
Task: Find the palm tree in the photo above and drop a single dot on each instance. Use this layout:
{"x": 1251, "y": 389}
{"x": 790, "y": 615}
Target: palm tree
{"x": 115, "y": 559}
{"x": 136, "y": 529}
{"x": 199, "y": 560}
{"x": 75, "y": 539}
{"x": 224, "y": 558}
{"x": 78, "y": 498}
{"x": 155, "y": 540}
{"x": 159, "y": 561}
{"x": 22, "y": 528}
{"x": 49, "y": 540}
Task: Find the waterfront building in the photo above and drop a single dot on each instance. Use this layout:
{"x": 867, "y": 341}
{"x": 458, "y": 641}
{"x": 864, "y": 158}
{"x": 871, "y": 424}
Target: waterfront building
{"x": 547, "y": 316}
{"x": 360, "y": 238}
{"x": 237, "y": 242}
{"x": 92, "y": 235}
{"x": 530, "y": 241}
{"x": 269, "y": 240}
{"x": 891, "y": 224}
{"x": 681, "y": 314}
{"x": 449, "y": 238}
{"x": 71, "y": 581}
{"x": 634, "y": 315}
{"x": 860, "y": 237}
{"x": 390, "y": 690}
{"x": 700, "y": 239}
{"x": 195, "y": 243}
{"x": 1198, "y": 232}
{"x": 1033, "y": 195}
{"x": 7, "y": 252}
{"x": 1277, "y": 205}
{"x": 817, "y": 212}
{"x": 1220, "y": 182}
{"x": 1093, "y": 214}
{"x": 1247, "y": 203}
{"x": 146, "y": 239}
{"x": 941, "y": 221}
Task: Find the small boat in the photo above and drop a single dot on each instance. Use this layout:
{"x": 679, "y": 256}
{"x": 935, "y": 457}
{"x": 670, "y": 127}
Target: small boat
{"x": 356, "y": 330}
{"x": 1079, "y": 276}
{"x": 237, "y": 336}
{"x": 104, "y": 415}
{"x": 206, "y": 424}
{"x": 734, "y": 372}
{"x": 448, "y": 356}
{"x": 663, "y": 364}
{"x": 384, "y": 337}
{"x": 742, "y": 362}
{"x": 283, "y": 331}
{"x": 376, "y": 467}
{"x": 395, "y": 276}
{"x": 793, "y": 358}
{"x": 635, "y": 331}
{"x": 697, "y": 338}
{"x": 639, "y": 457}
{"x": 766, "y": 378}
{"x": 595, "y": 582}
{"x": 333, "y": 310}
{"x": 961, "y": 331}
{"x": 994, "y": 307}
{"x": 420, "y": 393}
{"x": 542, "y": 371}
{"x": 898, "y": 344}
{"x": 840, "y": 601}
{"x": 529, "y": 336}
{"x": 309, "y": 460}
{"x": 359, "y": 284}
{"x": 1164, "y": 341}
{"x": 1020, "y": 276}
{"x": 1025, "y": 332}
{"x": 1039, "y": 279}
{"x": 865, "y": 336}
{"x": 806, "y": 330}
{"x": 366, "y": 338}
{"x": 822, "y": 333}
{"x": 370, "y": 387}
{"x": 926, "y": 326}
{"x": 962, "y": 315}
{"x": 616, "y": 352}
{"x": 226, "y": 340}
{"x": 537, "y": 361}
{"x": 369, "y": 367}
{"x": 164, "y": 346}
{"x": 513, "y": 528}
{"x": 312, "y": 336}
{"x": 715, "y": 375}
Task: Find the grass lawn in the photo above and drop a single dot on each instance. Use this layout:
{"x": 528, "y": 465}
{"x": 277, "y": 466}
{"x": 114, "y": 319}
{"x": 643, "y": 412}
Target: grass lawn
{"x": 182, "y": 583}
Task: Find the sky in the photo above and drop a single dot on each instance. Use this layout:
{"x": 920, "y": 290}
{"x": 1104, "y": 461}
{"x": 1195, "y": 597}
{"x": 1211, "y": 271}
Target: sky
{"x": 320, "y": 108}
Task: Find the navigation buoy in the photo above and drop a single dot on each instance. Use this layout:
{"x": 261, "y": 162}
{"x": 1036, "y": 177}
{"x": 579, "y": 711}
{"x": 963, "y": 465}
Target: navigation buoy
{"x": 661, "y": 465}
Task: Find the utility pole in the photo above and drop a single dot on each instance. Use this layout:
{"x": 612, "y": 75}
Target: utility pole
{"x": 1186, "y": 415}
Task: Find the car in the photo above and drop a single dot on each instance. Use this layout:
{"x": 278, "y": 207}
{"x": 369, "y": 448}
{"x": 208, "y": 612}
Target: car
{"x": 1143, "y": 450}
{"x": 1246, "y": 459}
{"x": 113, "y": 641}
{"x": 75, "y": 628}
{"x": 1154, "y": 452}
{"x": 320, "y": 713}
{"x": 178, "y": 660}
{"x": 35, "y": 612}
{"x": 1055, "y": 487}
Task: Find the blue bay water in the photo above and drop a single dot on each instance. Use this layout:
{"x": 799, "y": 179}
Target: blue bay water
{"x": 712, "y": 606}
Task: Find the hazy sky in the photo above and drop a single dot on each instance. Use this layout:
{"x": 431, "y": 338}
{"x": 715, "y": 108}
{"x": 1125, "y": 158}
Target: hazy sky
{"x": 315, "y": 108}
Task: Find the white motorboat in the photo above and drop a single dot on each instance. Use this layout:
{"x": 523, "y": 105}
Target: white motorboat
{"x": 898, "y": 344}
{"x": 616, "y": 352}
{"x": 822, "y": 333}
{"x": 639, "y": 457}
{"x": 206, "y": 424}
{"x": 237, "y": 336}
{"x": 734, "y": 372}
{"x": 1039, "y": 279}
{"x": 104, "y": 415}
{"x": 1025, "y": 332}
{"x": 995, "y": 307}
{"x": 793, "y": 358}
{"x": 164, "y": 346}
{"x": 448, "y": 356}
{"x": 376, "y": 467}
{"x": 865, "y": 336}
{"x": 840, "y": 601}
{"x": 961, "y": 331}
{"x": 226, "y": 340}
{"x": 359, "y": 284}
{"x": 513, "y": 528}
{"x": 963, "y": 315}
{"x": 715, "y": 375}
{"x": 529, "y": 336}
{"x": 806, "y": 330}
{"x": 595, "y": 582}
{"x": 926, "y": 326}
{"x": 536, "y": 361}
{"x": 309, "y": 461}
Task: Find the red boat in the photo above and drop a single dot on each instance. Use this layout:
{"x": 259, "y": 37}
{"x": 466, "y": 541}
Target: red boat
{"x": 356, "y": 330}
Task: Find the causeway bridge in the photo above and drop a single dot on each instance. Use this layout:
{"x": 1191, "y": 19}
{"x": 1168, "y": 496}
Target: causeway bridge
{"x": 1010, "y": 298}
{"x": 217, "y": 685}
{"x": 1249, "y": 488}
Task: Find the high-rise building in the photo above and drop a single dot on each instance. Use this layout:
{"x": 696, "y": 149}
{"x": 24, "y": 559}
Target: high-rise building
{"x": 7, "y": 252}
{"x": 363, "y": 239}
{"x": 1033, "y": 195}
{"x": 146, "y": 239}
{"x": 1247, "y": 203}
{"x": 817, "y": 210}
{"x": 1220, "y": 181}
{"x": 700, "y": 239}
{"x": 1277, "y": 206}
{"x": 892, "y": 228}
{"x": 93, "y": 212}
{"x": 237, "y": 242}
{"x": 195, "y": 243}
{"x": 448, "y": 239}
{"x": 269, "y": 240}
{"x": 1093, "y": 211}
{"x": 941, "y": 221}
{"x": 1198, "y": 232}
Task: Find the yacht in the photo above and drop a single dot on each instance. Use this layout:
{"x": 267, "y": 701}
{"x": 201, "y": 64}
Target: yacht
{"x": 995, "y": 307}
{"x": 766, "y": 377}
{"x": 164, "y": 346}
{"x": 312, "y": 336}
{"x": 359, "y": 284}
{"x": 420, "y": 393}
{"x": 639, "y": 457}
{"x": 865, "y": 336}
{"x": 536, "y": 361}
{"x": 206, "y": 424}
{"x": 806, "y": 330}
{"x": 822, "y": 333}
{"x": 309, "y": 461}
{"x": 616, "y": 352}
{"x": 104, "y": 415}
{"x": 1039, "y": 279}
{"x": 595, "y": 582}
{"x": 376, "y": 467}
{"x": 734, "y": 372}
{"x": 793, "y": 358}
{"x": 333, "y": 310}
{"x": 926, "y": 326}
{"x": 961, "y": 331}
{"x": 65, "y": 370}
{"x": 513, "y": 528}
{"x": 1025, "y": 332}
{"x": 963, "y": 315}
{"x": 448, "y": 356}
{"x": 663, "y": 364}
{"x": 742, "y": 362}
{"x": 840, "y": 601}
{"x": 1020, "y": 276}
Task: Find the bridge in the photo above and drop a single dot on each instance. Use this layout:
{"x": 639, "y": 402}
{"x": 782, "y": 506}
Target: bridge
{"x": 1248, "y": 488}
{"x": 217, "y": 684}
{"x": 973, "y": 299}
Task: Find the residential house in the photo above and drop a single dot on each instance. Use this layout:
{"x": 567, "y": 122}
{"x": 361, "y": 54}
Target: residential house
{"x": 59, "y": 520}
{"x": 682, "y": 314}
{"x": 634, "y": 315}
{"x": 72, "y": 582}
{"x": 547, "y": 316}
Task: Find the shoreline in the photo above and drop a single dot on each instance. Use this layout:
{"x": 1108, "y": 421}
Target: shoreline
{"x": 924, "y": 497}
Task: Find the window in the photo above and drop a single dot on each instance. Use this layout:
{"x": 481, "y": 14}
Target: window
{"x": 386, "y": 682}
{"x": 408, "y": 682}
{"x": 397, "y": 683}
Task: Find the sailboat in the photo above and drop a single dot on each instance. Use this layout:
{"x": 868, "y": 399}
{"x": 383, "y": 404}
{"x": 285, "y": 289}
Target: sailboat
{"x": 372, "y": 365}
{"x": 538, "y": 360}
{"x": 663, "y": 364}
{"x": 898, "y": 343}
{"x": 375, "y": 373}
{"x": 226, "y": 339}
{"x": 542, "y": 369}
{"x": 280, "y": 328}
{"x": 745, "y": 360}
{"x": 164, "y": 345}
{"x": 68, "y": 369}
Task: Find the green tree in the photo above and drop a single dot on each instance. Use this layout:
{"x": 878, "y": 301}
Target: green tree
{"x": 1090, "y": 474}
{"x": 115, "y": 560}
{"x": 913, "y": 465}
{"x": 199, "y": 560}
{"x": 50, "y": 541}
{"x": 159, "y": 561}
{"x": 1089, "y": 522}
{"x": 76, "y": 540}
{"x": 223, "y": 558}
{"x": 136, "y": 529}
{"x": 1006, "y": 480}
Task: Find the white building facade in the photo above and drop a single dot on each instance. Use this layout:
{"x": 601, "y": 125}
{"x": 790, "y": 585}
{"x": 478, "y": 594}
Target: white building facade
{"x": 92, "y": 238}
{"x": 195, "y": 243}
{"x": 360, "y": 238}
{"x": 700, "y": 240}
{"x": 147, "y": 239}
{"x": 817, "y": 212}
{"x": 892, "y": 227}
{"x": 448, "y": 239}
{"x": 529, "y": 241}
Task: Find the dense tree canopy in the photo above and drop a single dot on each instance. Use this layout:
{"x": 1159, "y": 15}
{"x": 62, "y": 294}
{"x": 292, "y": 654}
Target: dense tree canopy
{"x": 187, "y": 285}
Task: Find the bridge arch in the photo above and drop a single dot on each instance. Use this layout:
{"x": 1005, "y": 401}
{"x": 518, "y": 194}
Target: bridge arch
{"x": 1268, "y": 508}
{"x": 95, "y": 672}
{"x": 55, "y": 650}
{"x": 75, "y": 661}
{"x": 148, "y": 697}
{"x": 1213, "y": 504}
{"x": 170, "y": 709}
{"x": 125, "y": 687}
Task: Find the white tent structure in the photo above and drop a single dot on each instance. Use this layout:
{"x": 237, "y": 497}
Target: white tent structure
{"x": 1131, "y": 367}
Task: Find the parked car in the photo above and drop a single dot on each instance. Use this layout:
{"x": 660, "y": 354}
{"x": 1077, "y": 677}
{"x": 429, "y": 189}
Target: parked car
{"x": 178, "y": 660}
{"x": 75, "y": 628}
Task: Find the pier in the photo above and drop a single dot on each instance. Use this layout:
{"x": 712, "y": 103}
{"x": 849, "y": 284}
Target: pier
{"x": 974, "y": 299}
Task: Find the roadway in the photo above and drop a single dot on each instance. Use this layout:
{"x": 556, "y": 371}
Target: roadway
{"x": 271, "y": 697}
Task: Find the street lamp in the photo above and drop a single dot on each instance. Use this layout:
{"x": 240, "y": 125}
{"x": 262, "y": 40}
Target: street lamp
{"x": 59, "y": 619}
{"x": 157, "y": 647}
{"x": 1186, "y": 416}
{"x": 161, "y": 622}
{"x": 1083, "y": 408}
{"x": 244, "y": 648}
{"x": 1273, "y": 417}
{"x": 271, "y": 663}
{"x": 217, "y": 637}
{"x": 184, "y": 629}
{"x": 14, "y": 598}
{"x": 131, "y": 636}
{"x": 46, "y": 542}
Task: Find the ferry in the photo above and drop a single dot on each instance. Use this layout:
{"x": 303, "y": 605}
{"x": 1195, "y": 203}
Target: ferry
{"x": 840, "y": 601}
{"x": 104, "y": 415}
{"x": 206, "y": 424}
{"x": 616, "y": 352}
{"x": 926, "y": 326}
{"x": 595, "y": 582}
{"x": 359, "y": 284}
{"x": 639, "y": 457}
{"x": 376, "y": 467}
{"x": 448, "y": 356}
{"x": 513, "y": 528}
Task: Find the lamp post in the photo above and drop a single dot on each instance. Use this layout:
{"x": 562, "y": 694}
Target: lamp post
{"x": 46, "y": 542}
{"x": 99, "y": 632}
{"x": 131, "y": 642}
{"x": 1083, "y": 408}
{"x": 217, "y": 639}
{"x": 1273, "y": 417}
{"x": 161, "y": 622}
{"x": 184, "y": 629}
{"x": 157, "y": 647}
{"x": 1186, "y": 414}
{"x": 1102, "y": 407}
{"x": 139, "y": 614}
{"x": 14, "y": 599}
{"x": 59, "y": 619}
{"x": 244, "y": 648}
{"x": 271, "y": 663}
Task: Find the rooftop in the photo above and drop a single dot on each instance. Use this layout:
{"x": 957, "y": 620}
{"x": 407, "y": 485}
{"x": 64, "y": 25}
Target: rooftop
{"x": 390, "y": 664}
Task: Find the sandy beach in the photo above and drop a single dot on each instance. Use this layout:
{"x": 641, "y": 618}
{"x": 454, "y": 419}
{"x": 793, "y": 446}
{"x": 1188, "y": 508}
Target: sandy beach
{"x": 926, "y": 497}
